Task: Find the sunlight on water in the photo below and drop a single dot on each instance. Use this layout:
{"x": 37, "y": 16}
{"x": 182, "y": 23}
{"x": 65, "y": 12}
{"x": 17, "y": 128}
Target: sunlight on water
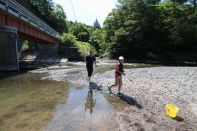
{"x": 84, "y": 110}
{"x": 27, "y": 103}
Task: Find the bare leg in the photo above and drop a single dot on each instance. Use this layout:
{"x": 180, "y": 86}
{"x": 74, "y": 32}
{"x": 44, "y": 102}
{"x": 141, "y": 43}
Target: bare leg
{"x": 115, "y": 84}
{"x": 119, "y": 79}
{"x": 119, "y": 88}
{"x": 112, "y": 85}
{"x": 109, "y": 88}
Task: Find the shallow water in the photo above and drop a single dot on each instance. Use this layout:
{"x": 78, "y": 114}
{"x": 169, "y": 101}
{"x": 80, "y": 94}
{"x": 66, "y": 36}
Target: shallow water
{"x": 29, "y": 103}
{"x": 85, "y": 109}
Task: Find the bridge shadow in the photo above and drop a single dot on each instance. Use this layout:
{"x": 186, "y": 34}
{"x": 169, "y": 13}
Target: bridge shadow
{"x": 29, "y": 65}
{"x": 7, "y": 74}
{"x": 33, "y": 60}
{"x": 131, "y": 101}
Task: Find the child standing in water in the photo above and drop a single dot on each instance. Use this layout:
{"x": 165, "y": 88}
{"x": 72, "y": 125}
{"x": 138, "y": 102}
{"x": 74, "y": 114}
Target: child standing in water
{"x": 118, "y": 75}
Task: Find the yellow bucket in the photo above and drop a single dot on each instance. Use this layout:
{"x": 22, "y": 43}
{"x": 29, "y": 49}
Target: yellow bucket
{"x": 171, "y": 110}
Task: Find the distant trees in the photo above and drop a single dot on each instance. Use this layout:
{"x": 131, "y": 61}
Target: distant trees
{"x": 80, "y": 31}
{"x": 178, "y": 1}
{"x": 59, "y": 19}
{"x": 54, "y": 13}
{"x": 136, "y": 29}
{"x": 92, "y": 35}
{"x": 97, "y": 40}
{"x": 150, "y": 29}
{"x": 96, "y": 24}
{"x": 83, "y": 47}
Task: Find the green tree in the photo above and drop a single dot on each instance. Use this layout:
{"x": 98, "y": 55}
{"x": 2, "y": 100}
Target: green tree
{"x": 96, "y": 24}
{"x": 68, "y": 39}
{"x": 177, "y": 2}
{"x": 126, "y": 24}
{"x": 59, "y": 19}
{"x": 153, "y": 2}
{"x": 83, "y": 47}
{"x": 194, "y": 2}
{"x": 80, "y": 31}
{"x": 53, "y": 13}
{"x": 97, "y": 40}
{"x": 46, "y": 7}
{"x": 141, "y": 29}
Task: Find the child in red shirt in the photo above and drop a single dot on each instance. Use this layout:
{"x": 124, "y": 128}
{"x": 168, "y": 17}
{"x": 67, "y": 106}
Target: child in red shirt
{"x": 118, "y": 75}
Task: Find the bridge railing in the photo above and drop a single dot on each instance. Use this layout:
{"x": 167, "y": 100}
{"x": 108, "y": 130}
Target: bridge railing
{"x": 14, "y": 8}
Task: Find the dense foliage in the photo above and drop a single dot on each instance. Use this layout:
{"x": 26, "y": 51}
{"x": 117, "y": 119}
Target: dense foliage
{"x": 53, "y": 13}
{"x": 149, "y": 29}
{"x": 83, "y": 47}
{"x": 137, "y": 29}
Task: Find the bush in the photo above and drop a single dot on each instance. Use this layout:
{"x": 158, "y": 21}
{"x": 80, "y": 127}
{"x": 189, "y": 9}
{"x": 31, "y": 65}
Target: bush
{"x": 25, "y": 46}
{"x": 82, "y": 47}
{"x": 68, "y": 39}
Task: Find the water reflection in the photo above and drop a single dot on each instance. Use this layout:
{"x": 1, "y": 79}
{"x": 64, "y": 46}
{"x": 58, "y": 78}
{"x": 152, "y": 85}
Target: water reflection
{"x": 90, "y": 102}
{"x": 28, "y": 103}
{"x": 86, "y": 109}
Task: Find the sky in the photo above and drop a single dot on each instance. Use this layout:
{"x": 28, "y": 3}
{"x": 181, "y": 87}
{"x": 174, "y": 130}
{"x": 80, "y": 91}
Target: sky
{"x": 87, "y": 11}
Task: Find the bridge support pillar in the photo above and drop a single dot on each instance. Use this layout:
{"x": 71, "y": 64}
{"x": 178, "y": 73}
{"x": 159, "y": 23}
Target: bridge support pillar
{"x": 8, "y": 49}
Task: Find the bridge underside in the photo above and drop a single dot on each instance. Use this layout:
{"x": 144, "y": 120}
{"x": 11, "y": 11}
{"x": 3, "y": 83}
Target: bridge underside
{"x": 11, "y": 31}
{"x": 26, "y": 31}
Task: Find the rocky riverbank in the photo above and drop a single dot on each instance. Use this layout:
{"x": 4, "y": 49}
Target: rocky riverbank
{"x": 150, "y": 89}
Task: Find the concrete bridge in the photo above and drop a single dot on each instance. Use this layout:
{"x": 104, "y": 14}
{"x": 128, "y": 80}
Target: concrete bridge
{"x": 18, "y": 24}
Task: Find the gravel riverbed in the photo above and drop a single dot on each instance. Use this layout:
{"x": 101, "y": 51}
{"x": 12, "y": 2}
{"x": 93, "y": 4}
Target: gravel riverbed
{"x": 151, "y": 88}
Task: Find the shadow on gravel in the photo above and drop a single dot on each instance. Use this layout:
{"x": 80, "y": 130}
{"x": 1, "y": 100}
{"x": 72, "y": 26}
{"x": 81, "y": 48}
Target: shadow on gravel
{"x": 130, "y": 101}
{"x": 93, "y": 85}
{"x": 178, "y": 118}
